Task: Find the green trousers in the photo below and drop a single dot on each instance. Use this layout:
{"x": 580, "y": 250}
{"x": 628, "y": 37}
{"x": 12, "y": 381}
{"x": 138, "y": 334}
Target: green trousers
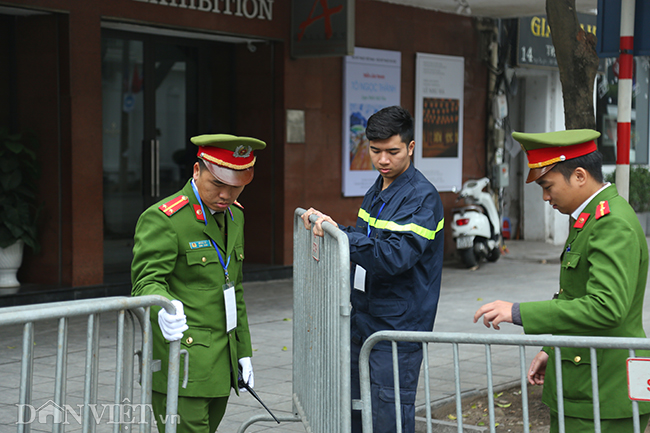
{"x": 582, "y": 425}
{"x": 196, "y": 414}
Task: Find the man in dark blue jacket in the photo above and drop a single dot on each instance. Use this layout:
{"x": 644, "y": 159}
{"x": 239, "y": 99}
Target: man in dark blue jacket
{"x": 396, "y": 249}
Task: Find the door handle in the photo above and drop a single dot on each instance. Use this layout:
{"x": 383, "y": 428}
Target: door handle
{"x": 157, "y": 168}
{"x": 152, "y": 147}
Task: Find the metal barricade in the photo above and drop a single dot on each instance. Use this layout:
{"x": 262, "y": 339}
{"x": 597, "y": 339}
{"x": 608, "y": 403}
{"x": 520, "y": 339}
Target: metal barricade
{"x": 321, "y": 330}
{"x": 123, "y": 413}
{"x": 456, "y": 339}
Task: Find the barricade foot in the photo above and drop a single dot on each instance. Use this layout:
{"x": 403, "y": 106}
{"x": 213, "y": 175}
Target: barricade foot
{"x": 439, "y": 426}
{"x": 267, "y": 418}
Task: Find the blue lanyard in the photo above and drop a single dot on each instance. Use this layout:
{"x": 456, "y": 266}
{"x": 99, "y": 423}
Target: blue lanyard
{"x": 223, "y": 265}
{"x": 378, "y": 213}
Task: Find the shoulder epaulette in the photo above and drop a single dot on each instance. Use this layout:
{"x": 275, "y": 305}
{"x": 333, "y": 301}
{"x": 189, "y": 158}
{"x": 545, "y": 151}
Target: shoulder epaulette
{"x": 602, "y": 209}
{"x": 236, "y": 203}
{"x": 174, "y": 205}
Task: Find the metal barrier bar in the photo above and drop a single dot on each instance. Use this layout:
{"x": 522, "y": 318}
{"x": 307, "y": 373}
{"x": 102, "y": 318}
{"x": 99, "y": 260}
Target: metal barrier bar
{"x": 524, "y": 387}
{"x": 128, "y": 362}
{"x": 594, "y": 388}
{"x": 559, "y": 390}
{"x": 172, "y": 386}
{"x": 427, "y": 384}
{"x": 126, "y": 308}
{"x": 146, "y": 371}
{"x": 455, "y": 339}
{"x": 635, "y": 405}
{"x": 26, "y": 375}
{"x": 514, "y": 339}
{"x": 56, "y": 310}
{"x": 488, "y": 366}
{"x": 90, "y": 376}
{"x": 61, "y": 368}
{"x": 119, "y": 366}
{"x": 398, "y": 402}
{"x": 457, "y": 381}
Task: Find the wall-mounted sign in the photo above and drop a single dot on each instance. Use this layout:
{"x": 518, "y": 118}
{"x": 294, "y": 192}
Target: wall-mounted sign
{"x": 251, "y": 9}
{"x": 371, "y": 81}
{"x": 534, "y": 45}
{"x": 321, "y": 28}
{"x": 439, "y": 96}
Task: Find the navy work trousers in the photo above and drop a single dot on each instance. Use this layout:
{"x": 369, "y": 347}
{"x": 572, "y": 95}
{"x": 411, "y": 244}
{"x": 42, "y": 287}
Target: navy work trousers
{"x": 382, "y": 389}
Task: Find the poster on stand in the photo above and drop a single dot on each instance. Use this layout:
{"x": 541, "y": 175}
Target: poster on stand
{"x": 371, "y": 81}
{"x": 439, "y": 119}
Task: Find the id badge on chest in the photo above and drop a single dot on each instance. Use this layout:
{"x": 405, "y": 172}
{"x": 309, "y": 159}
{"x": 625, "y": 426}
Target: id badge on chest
{"x": 360, "y": 278}
{"x": 231, "y": 306}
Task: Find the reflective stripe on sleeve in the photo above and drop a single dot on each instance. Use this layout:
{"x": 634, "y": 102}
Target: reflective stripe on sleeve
{"x": 394, "y": 227}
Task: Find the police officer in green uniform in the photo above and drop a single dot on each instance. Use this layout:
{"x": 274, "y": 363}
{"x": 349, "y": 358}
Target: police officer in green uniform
{"x": 189, "y": 248}
{"x": 602, "y": 283}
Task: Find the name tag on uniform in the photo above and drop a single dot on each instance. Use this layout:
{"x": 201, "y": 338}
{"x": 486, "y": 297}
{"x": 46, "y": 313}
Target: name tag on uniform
{"x": 360, "y": 278}
{"x": 231, "y": 306}
{"x": 200, "y": 244}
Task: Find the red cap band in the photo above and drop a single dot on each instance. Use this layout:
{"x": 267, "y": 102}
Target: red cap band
{"x": 241, "y": 159}
{"x": 552, "y": 155}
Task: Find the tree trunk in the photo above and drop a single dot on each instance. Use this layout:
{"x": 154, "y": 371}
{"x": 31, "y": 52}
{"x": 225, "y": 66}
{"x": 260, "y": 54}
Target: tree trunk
{"x": 575, "y": 51}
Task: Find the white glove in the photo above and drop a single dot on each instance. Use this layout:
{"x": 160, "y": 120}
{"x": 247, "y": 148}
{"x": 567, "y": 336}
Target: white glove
{"x": 173, "y": 325}
{"x": 246, "y": 372}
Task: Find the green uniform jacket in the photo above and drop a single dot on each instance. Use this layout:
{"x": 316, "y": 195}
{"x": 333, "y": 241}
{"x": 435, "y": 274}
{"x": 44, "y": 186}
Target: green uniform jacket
{"x": 602, "y": 284}
{"x": 167, "y": 263}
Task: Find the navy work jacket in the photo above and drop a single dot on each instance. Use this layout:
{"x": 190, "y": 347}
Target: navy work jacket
{"x": 402, "y": 257}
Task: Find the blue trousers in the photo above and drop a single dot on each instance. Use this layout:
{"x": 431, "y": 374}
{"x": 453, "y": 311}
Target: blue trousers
{"x": 382, "y": 389}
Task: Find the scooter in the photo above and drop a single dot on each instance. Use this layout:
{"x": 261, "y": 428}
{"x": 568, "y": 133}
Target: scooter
{"x": 476, "y": 227}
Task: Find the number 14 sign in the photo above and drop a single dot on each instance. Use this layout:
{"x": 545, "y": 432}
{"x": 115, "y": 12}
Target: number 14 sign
{"x": 638, "y": 378}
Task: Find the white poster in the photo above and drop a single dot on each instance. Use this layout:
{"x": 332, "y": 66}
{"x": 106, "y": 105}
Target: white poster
{"x": 439, "y": 119}
{"x": 371, "y": 82}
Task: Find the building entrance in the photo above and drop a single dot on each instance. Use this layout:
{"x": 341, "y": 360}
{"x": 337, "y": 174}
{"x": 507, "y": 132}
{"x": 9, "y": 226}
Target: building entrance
{"x": 157, "y": 92}
{"x": 148, "y": 90}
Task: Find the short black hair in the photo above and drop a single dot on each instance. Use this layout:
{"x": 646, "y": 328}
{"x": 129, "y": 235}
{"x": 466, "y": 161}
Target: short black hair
{"x": 591, "y": 162}
{"x": 390, "y": 121}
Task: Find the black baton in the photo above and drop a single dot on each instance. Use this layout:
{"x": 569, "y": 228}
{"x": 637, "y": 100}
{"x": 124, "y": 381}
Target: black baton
{"x": 242, "y": 384}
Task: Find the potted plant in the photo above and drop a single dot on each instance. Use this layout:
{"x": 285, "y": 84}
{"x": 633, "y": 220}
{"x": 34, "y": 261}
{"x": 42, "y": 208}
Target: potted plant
{"x": 19, "y": 171}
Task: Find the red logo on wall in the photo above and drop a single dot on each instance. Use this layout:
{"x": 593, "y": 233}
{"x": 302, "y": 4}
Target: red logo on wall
{"x": 325, "y": 15}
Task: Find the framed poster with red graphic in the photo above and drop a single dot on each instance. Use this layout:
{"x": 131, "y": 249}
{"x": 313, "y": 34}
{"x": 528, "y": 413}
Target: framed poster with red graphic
{"x": 439, "y": 119}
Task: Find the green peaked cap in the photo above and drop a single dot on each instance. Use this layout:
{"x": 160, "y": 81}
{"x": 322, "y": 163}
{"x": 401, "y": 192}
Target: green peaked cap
{"x": 229, "y": 158}
{"x": 227, "y": 141}
{"x": 530, "y": 141}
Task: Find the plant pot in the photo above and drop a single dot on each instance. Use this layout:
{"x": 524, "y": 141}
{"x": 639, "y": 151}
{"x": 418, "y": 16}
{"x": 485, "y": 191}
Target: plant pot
{"x": 10, "y": 260}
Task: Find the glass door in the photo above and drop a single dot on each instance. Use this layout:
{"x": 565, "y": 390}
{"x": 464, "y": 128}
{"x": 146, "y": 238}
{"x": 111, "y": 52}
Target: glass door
{"x": 167, "y": 159}
{"x": 147, "y": 96}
